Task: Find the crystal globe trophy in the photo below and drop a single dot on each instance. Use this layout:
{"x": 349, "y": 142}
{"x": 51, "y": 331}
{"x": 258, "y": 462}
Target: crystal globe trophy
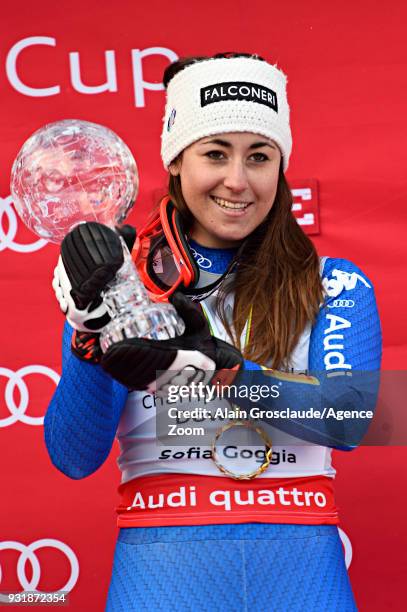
{"x": 73, "y": 171}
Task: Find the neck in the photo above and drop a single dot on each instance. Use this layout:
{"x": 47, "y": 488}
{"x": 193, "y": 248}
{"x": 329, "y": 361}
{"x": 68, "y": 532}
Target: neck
{"x": 213, "y": 242}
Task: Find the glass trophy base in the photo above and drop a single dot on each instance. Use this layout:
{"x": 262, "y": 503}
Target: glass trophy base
{"x": 133, "y": 314}
{"x": 156, "y": 322}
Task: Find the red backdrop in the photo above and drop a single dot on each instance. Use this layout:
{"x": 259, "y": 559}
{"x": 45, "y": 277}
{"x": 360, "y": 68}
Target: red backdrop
{"x": 346, "y": 64}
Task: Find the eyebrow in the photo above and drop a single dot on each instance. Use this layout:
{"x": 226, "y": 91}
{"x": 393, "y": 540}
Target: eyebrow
{"x": 226, "y": 143}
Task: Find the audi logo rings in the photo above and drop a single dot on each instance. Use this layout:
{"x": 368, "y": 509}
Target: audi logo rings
{"x": 7, "y": 239}
{"x": 16, "y": 379}
{"x": 27, "y": 553}
{"x": 342, "y": 304}
{"x": 202, "y": 262}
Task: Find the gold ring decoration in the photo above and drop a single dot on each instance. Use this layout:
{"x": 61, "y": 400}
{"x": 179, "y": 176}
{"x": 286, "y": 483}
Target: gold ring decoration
{"x": 263, "y": 436}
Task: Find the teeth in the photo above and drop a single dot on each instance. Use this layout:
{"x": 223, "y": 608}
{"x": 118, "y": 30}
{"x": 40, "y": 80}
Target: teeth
{"x": 233, "y": 205}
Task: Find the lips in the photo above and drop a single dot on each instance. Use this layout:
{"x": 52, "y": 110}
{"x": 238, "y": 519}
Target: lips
{"x": 227, "y": 204}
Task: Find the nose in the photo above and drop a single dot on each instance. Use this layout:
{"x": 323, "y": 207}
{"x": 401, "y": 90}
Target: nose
{"x": 236, "y": 176}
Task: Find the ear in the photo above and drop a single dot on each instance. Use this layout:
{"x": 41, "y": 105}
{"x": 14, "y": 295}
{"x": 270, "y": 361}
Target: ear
{"x": 175, "y": 166}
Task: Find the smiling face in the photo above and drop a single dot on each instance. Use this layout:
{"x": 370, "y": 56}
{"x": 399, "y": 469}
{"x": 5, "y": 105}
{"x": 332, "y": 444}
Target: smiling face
{"x": 229, "y": 182}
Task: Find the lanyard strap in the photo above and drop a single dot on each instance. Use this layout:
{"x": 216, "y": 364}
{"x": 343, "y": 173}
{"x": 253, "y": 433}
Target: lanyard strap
{"x": 218, "y": 333}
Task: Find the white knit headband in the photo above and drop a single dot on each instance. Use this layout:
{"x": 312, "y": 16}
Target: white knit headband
{"x": 220, "y": 95}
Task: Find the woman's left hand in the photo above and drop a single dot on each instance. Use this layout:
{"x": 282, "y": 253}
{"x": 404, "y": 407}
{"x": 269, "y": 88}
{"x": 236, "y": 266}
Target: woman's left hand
{"x": 144, "y": 364}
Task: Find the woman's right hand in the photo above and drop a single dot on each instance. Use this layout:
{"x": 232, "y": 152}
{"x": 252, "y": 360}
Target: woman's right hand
{"x": 92, "y": 317}
{"x": 91, "y": 254}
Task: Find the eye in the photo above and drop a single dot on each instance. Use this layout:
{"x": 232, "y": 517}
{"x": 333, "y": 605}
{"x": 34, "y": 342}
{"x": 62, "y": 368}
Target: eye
{"x": 259, "y": 157}
{"x": 215, "y": 154}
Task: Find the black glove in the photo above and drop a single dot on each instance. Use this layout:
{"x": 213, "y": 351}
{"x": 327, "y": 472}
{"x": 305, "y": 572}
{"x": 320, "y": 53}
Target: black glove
{"x": 91, "y": 254}
{"x": 135, "y": 362}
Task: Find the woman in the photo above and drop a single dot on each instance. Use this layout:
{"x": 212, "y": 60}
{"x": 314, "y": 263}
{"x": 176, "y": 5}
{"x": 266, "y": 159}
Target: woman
{"x": 204, "y": 539}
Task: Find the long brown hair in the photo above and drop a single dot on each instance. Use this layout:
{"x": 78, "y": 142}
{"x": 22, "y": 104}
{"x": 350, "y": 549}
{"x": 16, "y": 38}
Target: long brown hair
{"x": 277, "y": 280}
